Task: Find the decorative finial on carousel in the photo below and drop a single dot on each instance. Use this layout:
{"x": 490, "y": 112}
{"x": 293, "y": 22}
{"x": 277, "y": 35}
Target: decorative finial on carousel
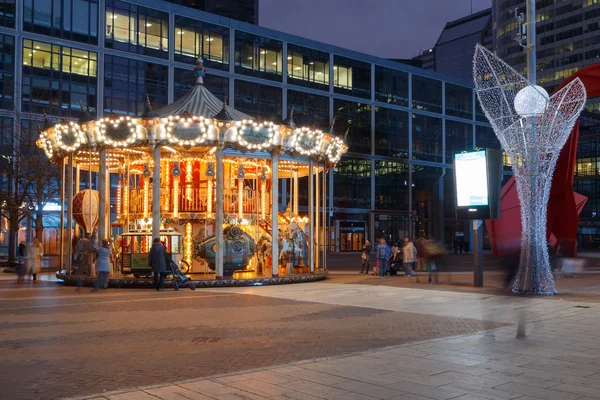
{"x": 46, "y": 125}
{"x": 200, "y": 71}
{"x": 148, "y": 111}
{"x": 85, "y": 115}
{"x": 332, "y": 125}
{"x": 289, "y": 121}
{"x": 347, "y": 130}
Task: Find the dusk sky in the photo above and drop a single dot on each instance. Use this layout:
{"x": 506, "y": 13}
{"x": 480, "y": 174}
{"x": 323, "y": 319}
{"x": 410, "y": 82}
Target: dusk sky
{"x": 384, "y": 28}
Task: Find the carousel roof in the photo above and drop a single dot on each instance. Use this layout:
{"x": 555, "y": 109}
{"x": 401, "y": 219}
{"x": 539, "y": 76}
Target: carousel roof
{"x": 202, "y": 103}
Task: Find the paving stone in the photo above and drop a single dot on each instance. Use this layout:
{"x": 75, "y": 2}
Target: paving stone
{"x": 367, "y": 389}
{"x": 546, "y": 394}
{"x": 431, "y": 392}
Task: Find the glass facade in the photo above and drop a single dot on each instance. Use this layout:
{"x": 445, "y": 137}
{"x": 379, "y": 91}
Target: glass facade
{"x": 427, "y": 138}
{"x": 391, "y": 86}
{"x": 7, "y": 13}
{"x": 353, "y": 121}
{"x": 351, "y": 77}
{"x": 459, "y": 101}
{"x": 242, "y": 10}
{"x": 7, "y": 71}
{"x": 259, "y": 101}
{"x": 56, "y": 79}
{"x": 426, "y": 94}
{"x": 307, "y": 67}
{"x": 309, "y": 109}
{"x": 128, "y": 83}
{"x": 485, "y": 138}
{"x": 391, "y": 133}
{"x": 391, "y": 185}
{"x": 353, "y": 183}
{"x": 136, "y": 29}
{"x": 258, "y": 56}
{"x": 194, "y": 38}
{"x": 75, "y": 20}
{"x": 459, "y": 137}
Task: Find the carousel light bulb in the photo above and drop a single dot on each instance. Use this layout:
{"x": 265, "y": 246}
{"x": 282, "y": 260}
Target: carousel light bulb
{"x": 531, "y": 101}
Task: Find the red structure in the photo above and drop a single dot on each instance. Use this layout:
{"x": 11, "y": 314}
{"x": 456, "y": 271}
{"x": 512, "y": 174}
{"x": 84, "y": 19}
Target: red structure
{"x": 564, "y": 205}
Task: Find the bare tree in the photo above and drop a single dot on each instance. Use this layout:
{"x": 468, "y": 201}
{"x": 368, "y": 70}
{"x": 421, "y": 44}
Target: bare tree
{"x": 32, "y": 180}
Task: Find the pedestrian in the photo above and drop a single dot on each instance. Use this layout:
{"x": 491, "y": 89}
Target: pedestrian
{"x": 409, "y": 257}
{"x": 383, "y": 253}
{"x": 432, "y": 252}
{"x": 156, "y": 260}
{"x": 366, "y": 255}
{"x": 456, "y": 244}
{"x": 34, "y": 258}
{"x": 461, "y": 245}
{"x": 103, "y": 260}
{"x": 420, "y": 254}
{"x": 22, "y": 250}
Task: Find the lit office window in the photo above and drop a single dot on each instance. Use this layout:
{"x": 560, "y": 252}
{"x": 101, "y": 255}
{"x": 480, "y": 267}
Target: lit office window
{"x": 194, "y": 38}
{"x": 391, "y": 133}
{"x": 308, "y": 67}
{"x": 351, "y": 77}
{"x": 258, "y": 101}
{"x": 128, "y": 82}
{"x": 459, "y": 137}
{"x": 7, "y": 13}
{"x": 309, "y": 109}
{"x": 185, "y": 82}
{"x": 137, "y": 29}
{"x": 391, "y": 196}
{"x": 459, "y": 101}
{"x": 258, "y": 56}
{"x": 67, "y": 19}
{"x": 7, "y": 71}
{"x": 354, "y": 120}
{"x": 57, "y": 78}
{"x": 426, "y": 94}
{"x": 426, "y": 138}
{"x": 352, "y": 189}
{"x": 391, "y": 86}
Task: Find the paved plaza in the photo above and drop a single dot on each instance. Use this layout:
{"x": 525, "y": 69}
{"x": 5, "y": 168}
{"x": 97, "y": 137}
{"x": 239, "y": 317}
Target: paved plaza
{"x": 348, "y": 337}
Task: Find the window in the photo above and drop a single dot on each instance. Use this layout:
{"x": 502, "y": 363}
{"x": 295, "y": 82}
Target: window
{"x": 242, "y": 10}
{"x": 426, "y": 138}
{"x": 426, "y": 94}
{"x": 426, "y": 201}
{"x": 7, "y": 71}
{"x": 57, "y": 78}
{"x": 7, "y": 13}
{"x": 391, "y": 86}
{"x": 459, "y": 101}
{"x": 308, "y": 67}
{"x": 309, "y": 109}
{"x": 353, "y": 120}
{"x": 485, "y": 138}
{"x": 391, "y": 133}
{"x": 479, "y": 114}
{"x": 67, "y": 19}
{"x": 128, "y": 82}
{"x": 259, "y": 101}
{"x": 351, "y": 77}
{"x": 459, "y": 137}
{"x": 137, "y": 29}
{"x": 185, "y": 82}
{"x": 194, "y": 38}
{"x": 6, "y": 138}
{"x": 258, "y": 56}
{"x": 352, "y": 183}
{"x": 391, "y": 185}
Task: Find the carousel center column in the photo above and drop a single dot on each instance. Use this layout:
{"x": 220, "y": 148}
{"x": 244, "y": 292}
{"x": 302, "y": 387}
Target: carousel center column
{"x": 102, "y": 234}
{"x": 156, "y": 193}
{"x": 275, "y": 213}
{"x": 311, "y": 216}
{"x": 69, "y": 212}
{"x": 219, "y": 220}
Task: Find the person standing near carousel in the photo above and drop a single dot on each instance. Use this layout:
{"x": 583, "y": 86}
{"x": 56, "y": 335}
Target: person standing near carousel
{"x": 366, "y": 256}
{"x": 33, "y": 265}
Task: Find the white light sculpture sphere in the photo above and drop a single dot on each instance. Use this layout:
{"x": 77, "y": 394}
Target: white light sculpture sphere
{"x": 531, "y": 101}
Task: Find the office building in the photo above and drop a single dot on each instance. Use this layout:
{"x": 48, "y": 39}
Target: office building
{"x": 402, "y": 124}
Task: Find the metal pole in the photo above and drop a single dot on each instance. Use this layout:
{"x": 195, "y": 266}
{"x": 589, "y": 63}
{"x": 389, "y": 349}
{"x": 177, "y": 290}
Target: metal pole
{"x": 61, "y": 260}
{"x": 219, "y": 220}
{"x": 156, "y": 193}
{"x": 324, "y": 212}
{"x": 275, "y": 214}
{"x": 531, "y": 42}
{"x": 69, "y": 213}
{"x": 316, "y": 224}
{"x": 102, "y": 195}
{"x": 477, "y": 253}
{"x": 311, "y": 215}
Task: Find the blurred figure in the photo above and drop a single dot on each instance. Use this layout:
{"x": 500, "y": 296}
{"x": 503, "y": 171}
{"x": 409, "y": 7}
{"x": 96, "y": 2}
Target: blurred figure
{"x": 366, "y": 255}
{"x": 420, "y": 254}
{"x": 510, "y": 262}
{"x": 157, "y": 261}
{"x": 35, "y": 252}
{"x": 433, "y": 251}
{"x": 103, "y": 260}
{"x": 409, "y": 257}
{"x": 456, "y": 244}
{"x": 22, "y": 250}
{"x": 383, "y": 253}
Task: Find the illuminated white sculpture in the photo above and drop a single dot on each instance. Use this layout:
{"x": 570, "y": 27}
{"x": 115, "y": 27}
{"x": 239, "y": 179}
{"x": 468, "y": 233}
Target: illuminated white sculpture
{"x": 532, "y": 129}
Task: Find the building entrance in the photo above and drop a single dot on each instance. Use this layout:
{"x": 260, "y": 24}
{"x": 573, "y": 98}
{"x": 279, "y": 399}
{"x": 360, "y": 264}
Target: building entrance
{"x": 352, "y": 235}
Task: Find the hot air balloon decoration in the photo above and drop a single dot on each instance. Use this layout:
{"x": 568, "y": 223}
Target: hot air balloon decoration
{"x": 86, "y": 209}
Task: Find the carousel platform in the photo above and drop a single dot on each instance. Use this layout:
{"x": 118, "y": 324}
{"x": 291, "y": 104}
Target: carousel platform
{"x": 200, "y": 281}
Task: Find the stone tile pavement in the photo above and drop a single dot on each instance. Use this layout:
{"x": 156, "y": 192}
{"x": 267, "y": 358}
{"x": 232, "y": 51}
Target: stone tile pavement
{"x": 558, "y": 360}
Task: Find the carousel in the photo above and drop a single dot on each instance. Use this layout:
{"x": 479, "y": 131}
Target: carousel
{"x": 205, "y": 179}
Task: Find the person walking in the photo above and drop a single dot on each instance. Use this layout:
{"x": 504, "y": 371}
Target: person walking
{"x": 409, "y": 257}
{"x": 104, "y": 259}
{"x": 22, "y": 250}
{"x": 157, "y": 261}
{"x": 366, "y": 255}
{"x": 33, "y": 264}
{"x": 456, "y": 244}
{"x": 383, "y": 253}
{"x": 420, "y": 254}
